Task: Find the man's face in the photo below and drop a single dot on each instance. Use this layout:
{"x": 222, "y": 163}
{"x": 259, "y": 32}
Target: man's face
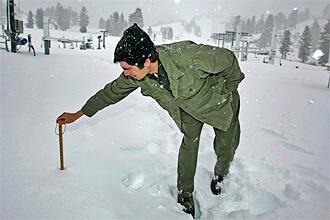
{"x": 134, "y": 71}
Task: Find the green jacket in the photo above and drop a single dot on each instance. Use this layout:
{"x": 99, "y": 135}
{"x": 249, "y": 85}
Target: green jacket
{"x": 201, "y": 78}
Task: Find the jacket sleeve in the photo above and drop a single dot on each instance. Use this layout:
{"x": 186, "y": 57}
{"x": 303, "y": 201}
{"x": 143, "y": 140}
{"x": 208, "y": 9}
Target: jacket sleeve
{"x": 112, "y": 93}
{"x": 215, "y": 60}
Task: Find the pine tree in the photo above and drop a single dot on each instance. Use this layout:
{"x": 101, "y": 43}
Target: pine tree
{"x": 108, "y": 26}
{"x": 170, "y": 33}
{"x": 285, "y": 44}
{"x": 139, "y": 17}
{"x": 131, "y": 19}
{"x": 136, "y": 17}
{"x": 102, "y": 23}
{"x": 187, "y": 26}
{"x": 30, "y": 20}
{"x": 253, "y": 24}
{"x": 59, "y": 16}
{"x": 83, "y": 20}
{"x": 70, "y": 13}
{"x": 325, "y": 43}
{"x": 123, "y": 24}
{"x": 316, "y": 29}
{"x": 164, "y": 33}
{"x": 116, "y": 24}
{"x": 244, "y": 26}
{"x": 247, "y": 26}
{"x": 305, "y": 43}
{"x": 237, "y": 20}
{"x": 260, "y": 25}
{"x": 62, "y": 17}
{"x": 74, "y": 18}
{"x": 293, "y": 18}
{"x": 50, "y": 13}
{"x": 266, "y": 35}
{"x": 279, "y": 20}
{"x": 39, "y": 18}
{"x": 114, "y": 19}
{"x": 66, "y": 19}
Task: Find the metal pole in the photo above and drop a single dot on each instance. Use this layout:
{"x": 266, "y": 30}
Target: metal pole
{"x": 103, "y": 39}
{"x": 11, "y": 6}
{"x": 61, "y": 145}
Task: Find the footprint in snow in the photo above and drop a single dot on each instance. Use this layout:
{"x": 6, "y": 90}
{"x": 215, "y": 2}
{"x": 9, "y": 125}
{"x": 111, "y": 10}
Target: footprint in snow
{"x": 133, "y": 181}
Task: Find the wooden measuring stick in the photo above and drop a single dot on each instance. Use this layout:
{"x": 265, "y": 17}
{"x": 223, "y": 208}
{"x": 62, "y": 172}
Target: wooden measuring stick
{"x": 61, "y": 145}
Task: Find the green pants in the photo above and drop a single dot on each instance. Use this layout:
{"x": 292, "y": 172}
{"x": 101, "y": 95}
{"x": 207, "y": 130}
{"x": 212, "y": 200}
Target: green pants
{"x": 225, "y": 145}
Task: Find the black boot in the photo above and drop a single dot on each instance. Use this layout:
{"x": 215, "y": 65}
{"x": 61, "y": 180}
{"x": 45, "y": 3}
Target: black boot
{"x": 188, "y": 203}
{"x": 215, "y": 184}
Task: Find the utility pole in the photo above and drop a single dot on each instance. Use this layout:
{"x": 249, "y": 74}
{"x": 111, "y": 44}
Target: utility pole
{"x": 12, "y": 26}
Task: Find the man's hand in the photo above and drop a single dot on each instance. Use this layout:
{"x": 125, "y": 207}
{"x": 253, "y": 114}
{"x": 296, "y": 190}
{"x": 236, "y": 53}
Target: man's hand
{"x": 67, "y": 118}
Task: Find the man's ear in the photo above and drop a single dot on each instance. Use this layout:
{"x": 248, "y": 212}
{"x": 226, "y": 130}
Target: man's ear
{"x": 147, "y": 62}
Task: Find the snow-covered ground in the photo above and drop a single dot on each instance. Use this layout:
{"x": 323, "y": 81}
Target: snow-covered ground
{"x": 121, "y": 164}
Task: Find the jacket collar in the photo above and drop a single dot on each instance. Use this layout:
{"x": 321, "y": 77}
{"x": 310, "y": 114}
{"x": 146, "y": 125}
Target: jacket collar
{"x": 164, "y": 54}
{"x": 173, "y": 72}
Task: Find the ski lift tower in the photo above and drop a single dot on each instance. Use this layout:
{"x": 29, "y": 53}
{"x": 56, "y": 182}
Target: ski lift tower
{"x": 14, "y": 26}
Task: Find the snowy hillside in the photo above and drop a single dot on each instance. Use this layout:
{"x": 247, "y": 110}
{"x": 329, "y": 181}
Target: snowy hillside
{"x": 121, "y": 164}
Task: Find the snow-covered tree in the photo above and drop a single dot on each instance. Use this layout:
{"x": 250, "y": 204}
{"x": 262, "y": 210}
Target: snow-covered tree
{"x": 62, "y": 18}
{"x": 102, "y": 23}
{"x": 116, "y": 24}
{"x": 246, "y": 26}
{"x": 83, "y": 20}
{"x": 285, "y": 44}
{"x": 305, "y": 43}
{"x": 236, "y": 21}
{"x": 123, "y": 23}
{"x": 266, "y": 36}
{"x": 316, "y": 29}
{"x": 170, "y": 33}
{"x": 260, "y": 25}
{"x": 280, "y": 20}
{"x": 325, "y": 43}
{"x": 293, "y": 18}
{"x": 72, "y": 17}
{"x": 30, "y": 20}
{"x": 136, "y": 17}
{"x": 252, "y": 25}
{"x": 116, "y": 29}
{"x": 39, "y": 18}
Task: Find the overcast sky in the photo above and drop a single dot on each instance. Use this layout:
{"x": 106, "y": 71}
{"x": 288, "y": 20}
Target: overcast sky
{"x": 166, "y": 10}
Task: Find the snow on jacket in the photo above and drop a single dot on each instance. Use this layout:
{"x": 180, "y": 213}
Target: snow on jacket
{"x": 202, "y": 79}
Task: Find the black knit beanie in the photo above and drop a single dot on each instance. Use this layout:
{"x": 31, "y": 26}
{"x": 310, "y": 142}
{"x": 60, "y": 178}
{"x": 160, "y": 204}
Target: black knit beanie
{"x": 134, "y": 47}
